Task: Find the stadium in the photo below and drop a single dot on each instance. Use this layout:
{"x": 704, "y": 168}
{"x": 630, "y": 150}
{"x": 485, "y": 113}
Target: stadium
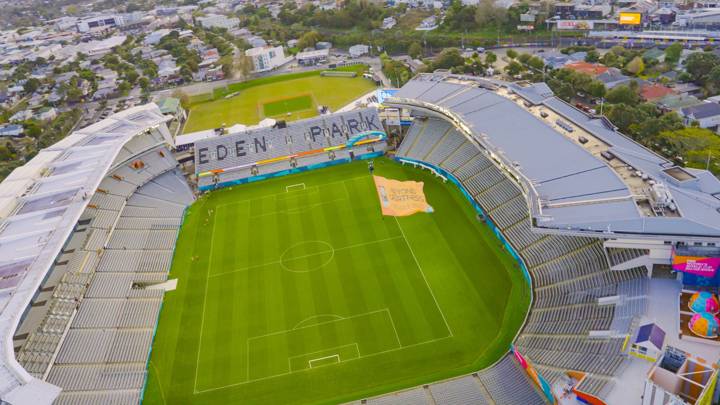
{"x": 461, "y": 241}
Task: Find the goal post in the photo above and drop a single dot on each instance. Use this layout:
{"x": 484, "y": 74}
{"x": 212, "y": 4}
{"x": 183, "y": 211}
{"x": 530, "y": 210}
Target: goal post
{"x": 324, "y": 361}
{"x": 295, "y": 187}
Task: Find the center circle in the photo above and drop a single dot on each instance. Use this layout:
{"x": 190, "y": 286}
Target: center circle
{"x": 307, "y": 256}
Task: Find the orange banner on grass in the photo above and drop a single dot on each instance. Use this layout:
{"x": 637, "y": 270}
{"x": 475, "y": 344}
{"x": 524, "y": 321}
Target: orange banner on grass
{"x": 401, "y": 198}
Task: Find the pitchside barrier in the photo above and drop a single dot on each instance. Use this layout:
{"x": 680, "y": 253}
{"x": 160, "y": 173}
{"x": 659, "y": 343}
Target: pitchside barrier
{"x": 478, "y": 208}
{"x": 281, "y": 173}
{"x": 157, "y": 323}
{"x": 535, "y": 376}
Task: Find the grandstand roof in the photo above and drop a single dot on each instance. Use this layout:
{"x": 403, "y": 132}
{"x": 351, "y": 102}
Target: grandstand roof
{"x": 41, "y": 203}
{"x": 570, "y": 186}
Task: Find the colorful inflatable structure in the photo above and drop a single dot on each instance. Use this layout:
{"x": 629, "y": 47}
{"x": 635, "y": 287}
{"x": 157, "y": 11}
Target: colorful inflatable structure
{"x": 704, "y": 325}
{"x": 704, "y": 301}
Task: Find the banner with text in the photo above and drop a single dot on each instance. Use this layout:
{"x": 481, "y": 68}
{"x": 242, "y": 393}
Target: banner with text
{"x": 401, "y": 198}
{"x": 698, "y": 265}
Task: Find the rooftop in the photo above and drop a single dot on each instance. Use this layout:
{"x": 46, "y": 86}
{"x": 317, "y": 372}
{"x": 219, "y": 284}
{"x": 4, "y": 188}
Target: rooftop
{"x": 40, "y": 204}
{"x": 704, "y": 110}
{"x": 579, "y": 174}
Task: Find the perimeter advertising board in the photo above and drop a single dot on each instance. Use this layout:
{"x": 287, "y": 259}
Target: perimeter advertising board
{"x": 574, "y": 25}
{"x": 630, "y": 18}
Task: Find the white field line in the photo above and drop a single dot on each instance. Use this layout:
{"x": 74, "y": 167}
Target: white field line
{"x": 284, "y": 193}
{"x": 298, "y": 210}
{"x": 276, "y": 262}
{"x": 289, "y": 188}
{"x": 423, "y": 276}
{"x": 357, "y": 350}
{"x": 360, "y": 356}
{"x": 333, "y": 356}
{"x": 305, "y": 370}
{"x": 207, "y": 281}
{"x": 318, "y": 324}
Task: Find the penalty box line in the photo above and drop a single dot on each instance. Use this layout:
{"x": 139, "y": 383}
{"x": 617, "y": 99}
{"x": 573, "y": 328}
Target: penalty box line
{"x": 384, "y": 352}
{"x": 285, "y": 193}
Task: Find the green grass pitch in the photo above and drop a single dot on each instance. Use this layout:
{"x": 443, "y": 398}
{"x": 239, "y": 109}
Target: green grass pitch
{"x": 280, "y": 108}
{"x": 334, "y": 92}
{"x": 296, "y": 290}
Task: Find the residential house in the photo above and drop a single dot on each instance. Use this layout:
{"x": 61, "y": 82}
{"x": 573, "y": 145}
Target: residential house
{"x": 11, "y": 130}
{"x": 218, "y": 21}
{"x": 690, "y": 89}
{"x": 389, "y": 23}
{"x": 613, "y": 77}
{"x": 209, "y": 56}
{"x": 46, "y": 114}
{"x": 21, "y": 115}
{"x": 359, "y": 50}
{"x": 676, "y": 102}
{"x": 707, "y": 115}
{"x": 154, "y": 37}
{"x": 592, "y": 69}
{"x": 654, "y": 92}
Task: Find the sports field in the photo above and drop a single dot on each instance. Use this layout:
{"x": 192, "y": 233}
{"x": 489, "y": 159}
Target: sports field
{"x": 287, "y": 105}
{"x": 297, "y": 290}
{"x": 301, "y": 96}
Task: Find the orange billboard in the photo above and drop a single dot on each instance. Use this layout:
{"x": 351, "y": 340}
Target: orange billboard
{"x": 401, "y": 198}
{"x": 630, "y": 18}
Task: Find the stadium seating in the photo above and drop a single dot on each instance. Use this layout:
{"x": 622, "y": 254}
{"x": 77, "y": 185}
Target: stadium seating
{"x": 490, "y": 386}
{"x": 569, "y": 274}
{"x": 312, "y": 135}
{"x": 95, "y": 338}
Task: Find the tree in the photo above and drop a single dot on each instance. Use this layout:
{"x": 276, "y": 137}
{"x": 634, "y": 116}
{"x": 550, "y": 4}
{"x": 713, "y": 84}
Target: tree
{"x": 514, "y": 68}
{"x": 415, "y": 50}
{"x": 449, "y": 58}
{"x": 243, "y": 67}
{"x": 31, "y": 85}
{"x": 490, "y": 58}
{"x": 309, "y": 39}
{"x": 183, "y": 97}
{"x": 596, "y": 89}
{"x": 511, "y": 53}
{"x": 592, "y": 56}
{"x": 487, "y": 13}
{"x": 622, "y": 94}
{"x": 673, "y": 53}
{"x": 636, "y": 66}
{"x": 144, "y": 83}
{"x": 699, "y": 65}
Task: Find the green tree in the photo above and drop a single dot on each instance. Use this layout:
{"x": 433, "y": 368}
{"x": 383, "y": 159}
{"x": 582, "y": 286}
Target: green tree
{"x": 699, "y": 65}
{"x": 415, "y": 50}
{"x": 309, "y": 39}
{"x": 596, "y": 89}
{"x": 31, "y": 85}
{"x": 635, "y": 66}
{"x": 622, "y": 95}
{"x": 673, "y": 53}
{"x": 511, "y": 53}
{"x": 448, "y": 58}
{"x": 490, "y": 58}
{"x": 514, "y": 68}
{"x": 592, "y": 56}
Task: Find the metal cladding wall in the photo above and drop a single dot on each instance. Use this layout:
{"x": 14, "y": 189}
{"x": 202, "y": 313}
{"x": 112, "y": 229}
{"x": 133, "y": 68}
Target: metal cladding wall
{"x": 298, "y": 137}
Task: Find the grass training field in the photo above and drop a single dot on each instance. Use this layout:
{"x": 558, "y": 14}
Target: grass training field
{"x": 286, "y": 105}
{"x": 296, "y": 290}
{"x": 302, "y": 93}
